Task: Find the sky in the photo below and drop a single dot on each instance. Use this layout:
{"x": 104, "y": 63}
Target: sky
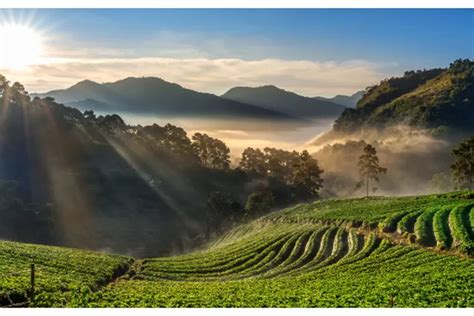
{"x": 315, "y": 52}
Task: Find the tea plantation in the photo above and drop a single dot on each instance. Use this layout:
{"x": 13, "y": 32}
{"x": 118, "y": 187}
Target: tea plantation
{"x": 370, "y": 252}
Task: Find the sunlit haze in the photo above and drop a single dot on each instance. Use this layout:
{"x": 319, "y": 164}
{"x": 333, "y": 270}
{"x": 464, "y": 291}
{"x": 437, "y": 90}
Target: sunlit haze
{"x": 21, "y": 46}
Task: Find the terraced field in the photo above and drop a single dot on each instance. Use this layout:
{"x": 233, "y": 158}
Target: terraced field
{"x": 283, "y": 249}
{"x": 58, "y": 271}
{"x": 413, "y": 251}
{"x": 444, "y": 222}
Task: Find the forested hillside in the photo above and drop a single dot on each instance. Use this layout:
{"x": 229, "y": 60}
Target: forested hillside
{"x": 89, "y": 181}
{"x": 434, "y": 99}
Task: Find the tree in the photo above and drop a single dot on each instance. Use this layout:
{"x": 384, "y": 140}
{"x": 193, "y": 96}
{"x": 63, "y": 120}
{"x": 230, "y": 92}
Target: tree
{"x": 89, "y": 115}
{"x": 19, "y": 94}
{"x": 253, "y": 160}
{"x": 281, "y": 163}
{"x": 369, "y": 167}
{"x": 112, "y": 124}
{"x": 169, "y": 138}
{"x": 220, "y": 206}
{"x": 3, "y": 85}
{"x": 298, "y": 174}
{"x": 463, "y": 166}
{"x": 307, "y": 175}
{"x": 212, "y": 152}
{"x": 259, "y": 202}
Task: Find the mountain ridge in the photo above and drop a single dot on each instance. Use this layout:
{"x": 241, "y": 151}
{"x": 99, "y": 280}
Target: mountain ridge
{"x": 349, "y": 101}
{"x": 152, "y": 95}
{"x": 273, "y": 98}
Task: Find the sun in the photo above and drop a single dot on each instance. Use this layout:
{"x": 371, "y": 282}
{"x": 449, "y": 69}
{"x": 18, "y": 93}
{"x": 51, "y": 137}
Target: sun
{"x": 20, "y": 46}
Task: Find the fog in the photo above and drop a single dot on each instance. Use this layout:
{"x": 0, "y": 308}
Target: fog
{"x": 239, "y": 133}
{"x": 412, "y": 156}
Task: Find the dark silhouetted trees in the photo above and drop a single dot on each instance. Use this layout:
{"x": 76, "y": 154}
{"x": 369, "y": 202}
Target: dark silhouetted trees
{"x": 307, "y": 176}
{"x": 253, "y": 160}
{"x": 222, "y": 211}
{"x": 212, "y": 152}
{"x": 463, "y": 165}
{"x": 299, "y": 172}
{"x": 259, "y": 202}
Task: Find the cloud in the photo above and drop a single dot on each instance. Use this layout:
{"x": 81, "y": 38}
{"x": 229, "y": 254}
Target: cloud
{"x": 309, "y": 78}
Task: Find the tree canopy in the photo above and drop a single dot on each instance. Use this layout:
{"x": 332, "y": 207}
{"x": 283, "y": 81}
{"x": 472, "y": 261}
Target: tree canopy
{"x": 212, "y": 152}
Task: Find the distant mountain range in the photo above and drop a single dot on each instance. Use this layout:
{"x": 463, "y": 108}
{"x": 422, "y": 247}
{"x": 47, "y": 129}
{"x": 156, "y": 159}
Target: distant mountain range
{"x": 156, "y": 96}
{"x": 347, "y": 101}
{"x": 433, "y": 99}
{"x": 276, "y": 99}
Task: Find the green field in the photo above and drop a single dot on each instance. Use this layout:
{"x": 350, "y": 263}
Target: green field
{"x": 404, "y": 252}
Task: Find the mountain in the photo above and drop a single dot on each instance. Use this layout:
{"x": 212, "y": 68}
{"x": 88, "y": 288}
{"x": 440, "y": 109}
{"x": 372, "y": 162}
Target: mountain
{"x": 276, "y": 99}
{"x": 433, "y": 99}
{"x": 345, "y": 100}
{"x": 154, "y": 96}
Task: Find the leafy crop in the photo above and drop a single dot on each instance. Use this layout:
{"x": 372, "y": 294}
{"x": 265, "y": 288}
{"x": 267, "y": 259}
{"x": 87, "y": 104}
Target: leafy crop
{"x": 324, "y": 254}
{"x": 57, "y": 270}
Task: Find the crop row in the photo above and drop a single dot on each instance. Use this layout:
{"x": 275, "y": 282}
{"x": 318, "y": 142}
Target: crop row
{"x": 374, "y": 210}
{"x": 300, "y": 249}
{"x": 441, "y": 221}
{"x": 462, "y": 234}
{"x": 400, "y": 276}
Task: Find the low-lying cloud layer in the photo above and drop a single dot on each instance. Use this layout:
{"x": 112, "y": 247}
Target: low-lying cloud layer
{"x": 309, "y": 78}
{"x": 412, "y": 156}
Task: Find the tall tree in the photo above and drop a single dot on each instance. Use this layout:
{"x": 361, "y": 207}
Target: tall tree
{"x": 169, "y": 138}
{"x": 281, "y": 163}
{"x": 307, "y": 175}
{"x": 369, "y": 167}
{"x": 212, "y": 152}
{"x": 253, "y": 160}
{"x": 463, "y": 166}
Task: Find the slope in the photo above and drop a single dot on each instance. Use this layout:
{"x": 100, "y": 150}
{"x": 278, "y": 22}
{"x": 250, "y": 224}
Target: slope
{"x": 324, "y": 254}
{"x": 424, "y": 99}
{"x": 76, "y": 179}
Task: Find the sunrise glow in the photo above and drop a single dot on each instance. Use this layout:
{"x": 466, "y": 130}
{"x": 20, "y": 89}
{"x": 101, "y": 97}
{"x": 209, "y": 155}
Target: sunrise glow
{"x": 21, "y": 46}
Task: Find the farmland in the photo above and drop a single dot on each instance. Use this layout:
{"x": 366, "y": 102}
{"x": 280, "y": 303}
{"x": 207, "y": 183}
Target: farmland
{"x": 58, "y": 271}
{"x": 404, "y": 252}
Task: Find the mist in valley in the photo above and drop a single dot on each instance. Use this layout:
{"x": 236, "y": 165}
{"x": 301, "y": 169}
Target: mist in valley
{"x": 240, "y": 133}
{"x": 418, "y": 161}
